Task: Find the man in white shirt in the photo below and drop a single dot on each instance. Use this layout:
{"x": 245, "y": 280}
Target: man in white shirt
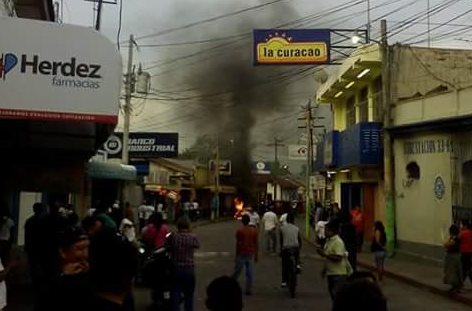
{"x": 144, "y": 212}
{"x": 269, "y": 222}
{"x": 254, "y": 218}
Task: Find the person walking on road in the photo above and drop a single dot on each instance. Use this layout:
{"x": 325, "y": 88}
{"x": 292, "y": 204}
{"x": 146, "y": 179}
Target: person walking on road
{"x": 359, "y": 224}
{"x": 254, "y": 218}
{"x": 290, "y": 241}
{"x": 378, "y": 248}
{"x": 465, "y": 237}
{"x": 33, "y": 243}
{"x": 182, "y": 248}
{"x": 348, "y": 235}
{"x": 247, "y": 250}
{"x": 336, "y": 266}
{"x": 452, "y": 262}
{"x": 270, "y": 222}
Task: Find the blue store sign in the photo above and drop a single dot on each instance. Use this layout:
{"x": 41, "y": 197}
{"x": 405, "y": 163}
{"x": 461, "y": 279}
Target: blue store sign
{"x": 144, "y": 145}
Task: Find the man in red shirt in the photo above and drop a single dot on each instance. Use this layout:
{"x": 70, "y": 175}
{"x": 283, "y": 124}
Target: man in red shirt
{"x": 465, "y": 238}
{"x": 247, "y": 249}
{"x": 358, "y": 222}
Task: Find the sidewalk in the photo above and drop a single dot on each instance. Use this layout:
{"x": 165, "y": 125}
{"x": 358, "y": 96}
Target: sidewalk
{"x": 414, "y": 271}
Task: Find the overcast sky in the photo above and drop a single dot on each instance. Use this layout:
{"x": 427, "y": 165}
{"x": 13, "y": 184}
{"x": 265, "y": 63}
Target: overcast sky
{"x": 171, "y": 66}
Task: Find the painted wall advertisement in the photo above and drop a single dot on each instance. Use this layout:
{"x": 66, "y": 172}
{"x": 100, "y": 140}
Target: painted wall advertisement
{"x": 61, "y": 72}
{"x": 291, "y": 46}
{"x": 144, "y": 145}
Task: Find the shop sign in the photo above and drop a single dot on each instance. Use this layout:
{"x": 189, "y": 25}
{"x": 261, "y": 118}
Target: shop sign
{"x": 291, "y": 46}
{"x": 261, "y": 167}
{"x": 297, "y": 152}
{"x": 224, "y": 167}
{"x": 428, "y": 146}
{"x": 144, "y": 145}
{"x": 60, "y": 72}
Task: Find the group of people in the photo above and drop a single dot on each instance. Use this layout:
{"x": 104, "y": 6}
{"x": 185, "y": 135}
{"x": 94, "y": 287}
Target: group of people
{"x": 458, "y": 260}
{"x": 340, "y": 273}
{"x": 80, "y": 265}
{"x": 247, "y": 242}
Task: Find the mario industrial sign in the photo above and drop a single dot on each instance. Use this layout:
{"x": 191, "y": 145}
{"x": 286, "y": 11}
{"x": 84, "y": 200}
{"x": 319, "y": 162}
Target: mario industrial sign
{"x": 58, "y": 72}
{"x": 144, "y": 145}
{"x": 291, "y": 46}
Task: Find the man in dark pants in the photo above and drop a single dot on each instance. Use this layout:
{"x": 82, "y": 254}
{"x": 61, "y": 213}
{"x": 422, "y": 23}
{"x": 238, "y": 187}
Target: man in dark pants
{"x": 290, "y": 241}
{"x": 246, "y": 252}
{"x": 336, "y": 267}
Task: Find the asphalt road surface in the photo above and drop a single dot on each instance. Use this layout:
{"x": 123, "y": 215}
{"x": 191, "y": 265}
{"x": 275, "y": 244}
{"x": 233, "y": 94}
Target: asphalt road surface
{"x": 216, "y": 258}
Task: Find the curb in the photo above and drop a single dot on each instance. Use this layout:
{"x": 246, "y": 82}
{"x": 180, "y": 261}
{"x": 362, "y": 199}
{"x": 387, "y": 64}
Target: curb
{"x": 413, "y": 282}
{"x": 418, "y": 284}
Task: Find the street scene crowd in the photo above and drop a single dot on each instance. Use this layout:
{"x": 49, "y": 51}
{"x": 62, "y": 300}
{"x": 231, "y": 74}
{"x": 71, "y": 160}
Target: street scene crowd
{"x": 94, "y": 263}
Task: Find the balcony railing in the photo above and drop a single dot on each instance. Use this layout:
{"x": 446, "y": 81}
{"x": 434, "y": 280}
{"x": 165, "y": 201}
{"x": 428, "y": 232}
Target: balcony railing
{"x": 358, "y": 145}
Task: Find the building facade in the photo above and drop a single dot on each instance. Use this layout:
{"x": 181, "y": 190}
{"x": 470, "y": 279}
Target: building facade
{"x": 431, "y": 119}
{"x": 350, "y": 156}
{"x": 50, "y": 129}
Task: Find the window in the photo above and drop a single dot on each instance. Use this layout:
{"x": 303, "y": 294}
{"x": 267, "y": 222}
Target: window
{"x": 350, "y": 111}
{"x": 413, "y": 170}
{"x": 363, "y": 106}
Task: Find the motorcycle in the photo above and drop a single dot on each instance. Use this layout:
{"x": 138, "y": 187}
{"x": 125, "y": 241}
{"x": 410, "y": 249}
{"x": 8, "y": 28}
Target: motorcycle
{"x": 157, "y": 274}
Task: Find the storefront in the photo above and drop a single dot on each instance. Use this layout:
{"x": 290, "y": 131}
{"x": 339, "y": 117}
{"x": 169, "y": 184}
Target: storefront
{"x": 60, "y": 87}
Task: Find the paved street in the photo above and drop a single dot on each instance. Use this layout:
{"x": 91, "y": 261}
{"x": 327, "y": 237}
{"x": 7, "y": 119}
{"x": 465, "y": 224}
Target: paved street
{"x": 215, "y": 258}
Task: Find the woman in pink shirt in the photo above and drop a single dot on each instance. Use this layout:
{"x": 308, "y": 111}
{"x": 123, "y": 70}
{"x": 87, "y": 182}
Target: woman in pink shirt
{"x": 154, "y": 234}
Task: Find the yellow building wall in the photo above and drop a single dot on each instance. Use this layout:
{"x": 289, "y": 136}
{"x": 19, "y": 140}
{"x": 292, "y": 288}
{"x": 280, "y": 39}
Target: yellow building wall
{"x": 420, "y": 216}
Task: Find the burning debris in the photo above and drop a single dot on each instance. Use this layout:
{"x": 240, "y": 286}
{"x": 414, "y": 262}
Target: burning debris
{"x": 239, "y": 208}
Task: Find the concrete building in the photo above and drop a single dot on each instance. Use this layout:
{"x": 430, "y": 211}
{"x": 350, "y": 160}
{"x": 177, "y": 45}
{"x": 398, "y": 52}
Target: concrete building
{"x": 431, "y": 129}
{"x": 350, "y": 155}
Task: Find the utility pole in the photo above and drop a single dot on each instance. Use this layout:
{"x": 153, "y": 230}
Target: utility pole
{"x": 308, "y": 118}
{"x": 368, "y": 22}
{"x": 275, "y": 170}
{"x": 387, "y": 143}
{"x": 429, "y": 22}
{"x": 309, "y": 167}
{"x": 127, "y": 105}
{"x": 99, "y": 15}
{"x": 217, "y": 177}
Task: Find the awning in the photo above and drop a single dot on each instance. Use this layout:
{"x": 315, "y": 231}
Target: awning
{"x": 104, "y": 170}
{"x": 222, "y": 189}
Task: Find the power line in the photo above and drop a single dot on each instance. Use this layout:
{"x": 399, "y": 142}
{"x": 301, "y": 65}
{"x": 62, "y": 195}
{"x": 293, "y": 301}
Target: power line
{"x": 208, "y": 20}
{"x": 439, "y": 26}
{"x": 120, "y": 16}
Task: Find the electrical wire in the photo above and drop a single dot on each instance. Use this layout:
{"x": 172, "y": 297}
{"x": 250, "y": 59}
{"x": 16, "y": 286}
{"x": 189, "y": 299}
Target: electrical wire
{"x": 120, "y": 23}
{"x": 208, "y": 20}
{"x": 439, "y": 26}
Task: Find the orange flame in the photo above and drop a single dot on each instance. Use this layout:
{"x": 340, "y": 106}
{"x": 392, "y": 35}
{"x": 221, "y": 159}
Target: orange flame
{"x": 239, "y": 206}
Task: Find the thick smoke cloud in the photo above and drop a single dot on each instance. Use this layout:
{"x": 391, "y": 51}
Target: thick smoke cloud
{"x": 230, "y": 93}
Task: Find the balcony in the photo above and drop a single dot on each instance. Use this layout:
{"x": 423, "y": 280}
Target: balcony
{"x": 359, "y": 145}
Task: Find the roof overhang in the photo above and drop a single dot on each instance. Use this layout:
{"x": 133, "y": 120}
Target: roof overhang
{"x": 106, "y": 170}
{"x": 355, "y": 72}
